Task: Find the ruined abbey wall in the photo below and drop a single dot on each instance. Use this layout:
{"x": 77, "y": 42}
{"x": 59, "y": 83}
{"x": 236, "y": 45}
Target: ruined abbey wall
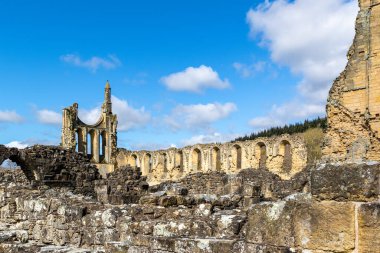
{"x": 353, "y": 108}
{"x": 283, "y": 155}
{"x": 98, "y": 141}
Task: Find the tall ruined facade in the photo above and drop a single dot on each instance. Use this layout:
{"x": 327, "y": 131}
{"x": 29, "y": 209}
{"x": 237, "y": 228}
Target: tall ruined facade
{"x": 97, "y": 141}
{"x": 353, "y": 108}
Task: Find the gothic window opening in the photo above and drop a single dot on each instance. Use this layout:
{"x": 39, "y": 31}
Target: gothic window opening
{"x": 197, "y": 160}
{"x": 215, "y": 159}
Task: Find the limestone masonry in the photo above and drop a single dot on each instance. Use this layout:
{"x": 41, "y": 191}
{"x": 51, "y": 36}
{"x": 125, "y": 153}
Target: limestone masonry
{"x": 283, "y": 155}
{"x": 260, "y": 196}
{"x": 353, "y": 107}
{"x": 98, "y": 141}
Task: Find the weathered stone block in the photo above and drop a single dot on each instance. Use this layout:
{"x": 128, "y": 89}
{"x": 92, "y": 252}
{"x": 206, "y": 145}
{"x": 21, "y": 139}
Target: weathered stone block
{"x": 228, "y": 226}
{"x": 271, "y": 224}
{"x": 167, "y": 201}
{"x": 369, "y": 227}
{"x": 203, "y": 210}
{"x": 116, "y": 247}
{"x": 162, "y": 243}
{"x": 346, "y": 182}
{"x": 326, "y": 225}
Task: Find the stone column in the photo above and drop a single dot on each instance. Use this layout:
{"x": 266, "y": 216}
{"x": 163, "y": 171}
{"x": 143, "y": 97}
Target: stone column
{"x": 85, "y": 141}
{"x": 107, "y": 149}
{"x": 96, "y": 150}
{"x": 80, "y": 140}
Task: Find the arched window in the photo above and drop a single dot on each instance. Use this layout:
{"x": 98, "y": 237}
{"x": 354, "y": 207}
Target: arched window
{"x": 215, "y": 159}
{"x": 196, "y": 160}
{"x": 133, "y": 161}
{"x": 89, "y": 145}
{"x": 148, "y": 163}
{"x": 101, "y": 153}
{"x": 286, "y": 153}
{"x": 76, "y": 142}
{"x": 237, "y": 156}
{"x": 261, "y": 154}
{"x": 179, "y": 160}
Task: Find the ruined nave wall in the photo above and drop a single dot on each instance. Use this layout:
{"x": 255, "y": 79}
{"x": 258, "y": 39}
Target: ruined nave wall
{"x": 284, "y": 155}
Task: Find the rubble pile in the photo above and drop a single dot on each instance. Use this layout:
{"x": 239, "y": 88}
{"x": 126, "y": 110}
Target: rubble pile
{"x": 125, "y": 185}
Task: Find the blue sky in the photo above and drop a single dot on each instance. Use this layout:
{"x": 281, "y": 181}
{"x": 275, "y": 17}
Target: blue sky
{"x": 181, "y": 72}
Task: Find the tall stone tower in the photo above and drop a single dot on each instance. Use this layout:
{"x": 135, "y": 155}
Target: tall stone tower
{"x": 98, "y": 141}
{"x": 353, "y": 108}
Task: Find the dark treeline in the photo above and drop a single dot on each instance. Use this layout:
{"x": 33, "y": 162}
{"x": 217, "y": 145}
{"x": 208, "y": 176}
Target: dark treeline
{"x": 287, "y": 129}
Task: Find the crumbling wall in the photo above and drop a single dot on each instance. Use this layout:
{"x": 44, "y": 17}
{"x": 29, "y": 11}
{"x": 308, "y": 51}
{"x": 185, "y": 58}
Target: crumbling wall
{"x": 123, "y": 186}
{"x": 324, "y": 209}
{"x": 173, "y": 164}
{"x": 97, "y": 141}
{"x": 54, "y": 166}
{"x": 353, "y": 108}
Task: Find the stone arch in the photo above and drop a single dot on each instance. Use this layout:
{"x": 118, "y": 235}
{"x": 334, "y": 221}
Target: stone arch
{"x": 16, "y": 157}
{"x": 179, "y": 160}
{"x": 133, "y": 160}
{"x": 196, "y": 159}
{"x": 261, "y": 153}
{"x": 285, "y": 151}
{"x": 215, "y": 159}
{"x": 236, "y": 156}
{"x": 148, "y": 162}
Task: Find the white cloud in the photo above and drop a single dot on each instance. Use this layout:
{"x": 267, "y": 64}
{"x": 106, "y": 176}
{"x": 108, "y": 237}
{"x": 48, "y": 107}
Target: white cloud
{"x": 150, "y": 146}
{"x": 10, "y": 116}
{"x": 245, "y": 70}
{"x": 312, "y": 39}
{"x": 209, "y": 138}
{"x": 91, "y": 116}
{"x": 94, "y": 63}
{"x": 49, "y": 117}
{"x": 195, "y": 79}
{"x": 128, "y": 117}
{"x": 17, "y": 144}
{"x": 198, "y": 115}
{"x": 280, "y": 115}
{"x": 30, "y": 142}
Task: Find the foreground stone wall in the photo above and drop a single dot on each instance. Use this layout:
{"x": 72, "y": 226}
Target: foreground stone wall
{"x": 283, "y": 155}
{"x": 324, "y": 209}
{"x": 53, "y": 166}
{"x": 353, "y": 108}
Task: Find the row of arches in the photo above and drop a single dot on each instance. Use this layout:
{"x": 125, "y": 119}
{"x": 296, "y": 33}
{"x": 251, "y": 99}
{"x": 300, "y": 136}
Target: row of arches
{"x": 196, "y": 159}
{"x": 93, "y": 144}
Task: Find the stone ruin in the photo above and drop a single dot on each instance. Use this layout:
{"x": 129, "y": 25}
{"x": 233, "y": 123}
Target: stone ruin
{"x": 283, "y": 155}
{"x": 244, "y": 198}
{"x": 97, "y": 141}
{"x": 353, "y": 107}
